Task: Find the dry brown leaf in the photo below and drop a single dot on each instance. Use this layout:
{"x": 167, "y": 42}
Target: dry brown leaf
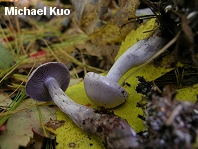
{"x": 99, "y": 51}
{"x": 103, "y": 28}
{"x": 88, "y": 13}
{"x": 104, "y": 53}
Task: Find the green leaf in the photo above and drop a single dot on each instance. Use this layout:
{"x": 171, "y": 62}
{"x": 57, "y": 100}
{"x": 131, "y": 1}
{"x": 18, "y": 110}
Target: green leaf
{"x": 6, "y": 59}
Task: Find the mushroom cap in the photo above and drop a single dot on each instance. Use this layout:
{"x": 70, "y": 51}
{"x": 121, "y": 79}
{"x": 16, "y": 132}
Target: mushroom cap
{"x": 35, "y": 86}
{"x": 104, "y": 92}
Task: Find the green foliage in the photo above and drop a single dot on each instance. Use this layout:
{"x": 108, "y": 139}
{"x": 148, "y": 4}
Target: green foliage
{"x": 6, "y": 59}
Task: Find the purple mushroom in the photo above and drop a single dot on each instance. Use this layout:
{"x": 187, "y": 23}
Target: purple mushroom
{"x": 48, "y": 81}
{"x": 105, "y": 90}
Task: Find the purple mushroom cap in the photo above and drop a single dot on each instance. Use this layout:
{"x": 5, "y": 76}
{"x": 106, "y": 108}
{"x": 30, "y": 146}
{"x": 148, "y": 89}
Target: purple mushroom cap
{"x": 35, "y": 86}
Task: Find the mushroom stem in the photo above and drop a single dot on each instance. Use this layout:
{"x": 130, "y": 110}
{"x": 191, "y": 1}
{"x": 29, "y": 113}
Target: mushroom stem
{"x": 135, "y": 55}
{"x": 114, "y": 131}
{"x": 74, "y": 110}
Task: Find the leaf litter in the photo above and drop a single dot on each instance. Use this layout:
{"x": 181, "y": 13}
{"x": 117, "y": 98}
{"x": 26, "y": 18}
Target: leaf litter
{"x": 20, "y": 126}
{"x": 48, "y": 46}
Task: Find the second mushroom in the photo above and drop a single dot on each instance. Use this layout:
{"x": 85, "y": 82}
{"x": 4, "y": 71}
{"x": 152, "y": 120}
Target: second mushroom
{"x": 104, "y": 90}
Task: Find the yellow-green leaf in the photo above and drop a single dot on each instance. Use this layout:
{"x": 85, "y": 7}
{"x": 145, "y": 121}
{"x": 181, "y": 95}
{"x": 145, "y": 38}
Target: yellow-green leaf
{"x": 188, "y": 93}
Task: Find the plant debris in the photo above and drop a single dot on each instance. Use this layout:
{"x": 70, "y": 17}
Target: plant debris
{"x": 143, "y": 86}
{"x": 179, "y": 17}
{"x": 88, "y": 40}
{"x": 170, "y": 123}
